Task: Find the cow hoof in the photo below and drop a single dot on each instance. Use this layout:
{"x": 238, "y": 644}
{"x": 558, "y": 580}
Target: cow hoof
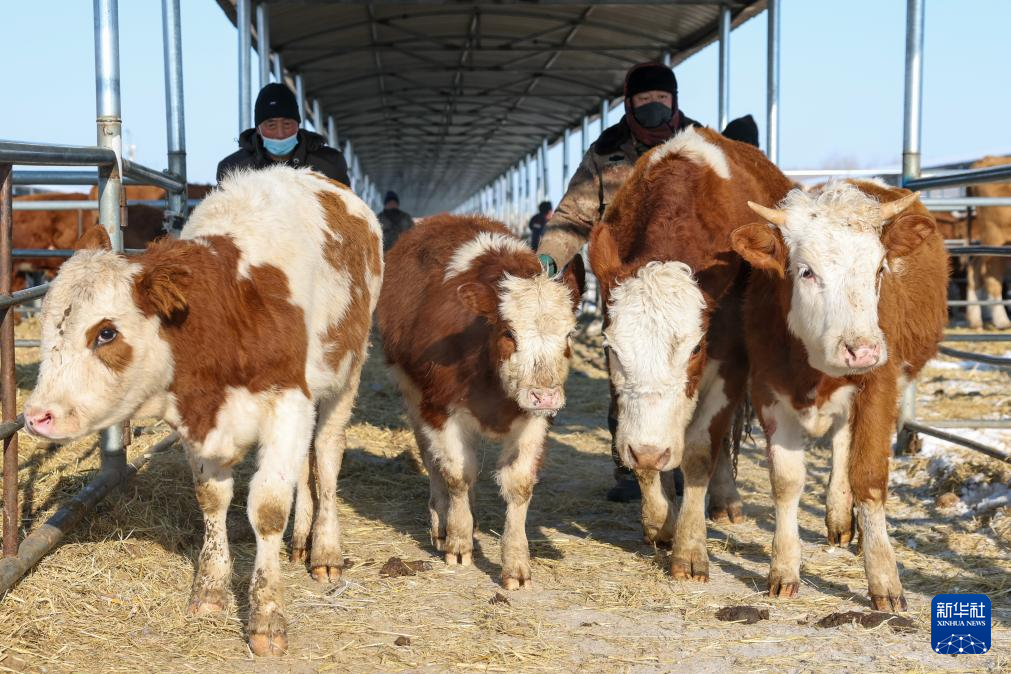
{"x": 660, "y": 543}
{"x": 439, "y": 543}
{"x": 206, "y": 601}
{"x": 461, "y": 558}
{"x": 299, "y": 554}
{"x": 693, "y": 567}
{"x": 514, "y": 583}
{"x": 326, "y": 574}
{"x": 840, "y": 537}
{"x": 781, "y": 588}
{"x": 889, "y": 603}
{"x": 270, "y": 638}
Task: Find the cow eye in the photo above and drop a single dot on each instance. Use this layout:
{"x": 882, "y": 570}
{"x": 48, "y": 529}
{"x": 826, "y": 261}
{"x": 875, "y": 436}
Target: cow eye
{"x": 105, "y": 336}
{"x": 805, "y": 273}
{"x": 697, "y": 350}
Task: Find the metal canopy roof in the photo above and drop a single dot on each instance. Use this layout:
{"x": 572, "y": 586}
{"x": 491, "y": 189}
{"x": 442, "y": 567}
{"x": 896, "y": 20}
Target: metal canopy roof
{"x": 438, "y": 98}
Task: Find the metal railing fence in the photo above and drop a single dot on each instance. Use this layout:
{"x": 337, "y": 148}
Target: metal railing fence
{"x": 106, "y": 155}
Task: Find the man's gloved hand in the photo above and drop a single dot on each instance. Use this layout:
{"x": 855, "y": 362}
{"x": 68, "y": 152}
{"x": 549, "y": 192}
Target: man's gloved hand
{"x": 548, "y": 264}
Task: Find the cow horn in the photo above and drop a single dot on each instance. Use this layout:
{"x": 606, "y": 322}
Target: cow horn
{"x": 770, "y": 214}
{"x": 892, "y": 208}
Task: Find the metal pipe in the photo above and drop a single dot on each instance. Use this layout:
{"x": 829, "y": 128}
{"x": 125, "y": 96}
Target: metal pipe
{"x": 278, "y": 69}
{"x": 995, "y": 361}
{"x": 10, "y": 299}
{"x": 109, "y": 177}
{"x": 317, "y": 117}
{"x": 992, "y": 251}
{"x": 48, "y": 536}
{"x": 968, "y": 177}
{"x": 263, "y": 41}
{"x": 584, "y": 138}
{"x": 69, "y": 177}
{"x": 969, "y": 337}
{"x": 913, "y": 104}
{"x": 175, "y": 115}
{"x": 956, "y": 203}
{"x": 545, "y": 172}
{"x": 244, "y": 28}
{"x": 331, "y": 132}
{"x": 89, "y": 204}
{"x": 772, "y": 83}
{"x": 565, "y": 158}
{"x": 150, "y": 176}
{"x": 969, "y": 423}
{"x": 665, "y": 58}
{"x": 957, "y": 440}
{"x": 605, "y": 107}
{"x": 724, "y": 100}
{"x": 300, "y": 97}
{"x": 46, "y": 154}
{"x": 8, "y": 383}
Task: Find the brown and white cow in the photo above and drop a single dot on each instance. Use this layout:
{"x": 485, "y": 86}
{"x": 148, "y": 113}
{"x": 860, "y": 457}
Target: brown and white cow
{"x": 846, "y": 303}
{"x": 992, "y": 225}
{"x": 249, "y": 330}
{"x": 477, "y": 338}
{"x": 673, "y": 286}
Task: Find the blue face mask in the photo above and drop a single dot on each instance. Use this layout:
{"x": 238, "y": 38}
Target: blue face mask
{"x": 281, "y": 147}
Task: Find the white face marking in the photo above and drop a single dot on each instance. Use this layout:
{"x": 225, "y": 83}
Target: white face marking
{"x": 656, "y": 324}
{"x": 82, "y": 393}
{"x": 691, "y": 145}
{"x": 836, "y": 261}
{"x": 539, "y": 313}
{"x": 485, "y": 242}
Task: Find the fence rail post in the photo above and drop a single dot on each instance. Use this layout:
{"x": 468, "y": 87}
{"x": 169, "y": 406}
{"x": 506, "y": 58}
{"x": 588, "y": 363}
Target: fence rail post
{"x": 175, "y": 121}
{"x": 8, "y": 387}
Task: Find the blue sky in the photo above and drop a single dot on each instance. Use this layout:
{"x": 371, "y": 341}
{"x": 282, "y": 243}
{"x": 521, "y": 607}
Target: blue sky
{"x": 842, "y": 80}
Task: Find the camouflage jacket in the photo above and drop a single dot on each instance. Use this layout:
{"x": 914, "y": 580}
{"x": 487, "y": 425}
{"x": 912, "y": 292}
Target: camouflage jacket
{"x": 605, "y": 167}
{"x": 394, "y": 223}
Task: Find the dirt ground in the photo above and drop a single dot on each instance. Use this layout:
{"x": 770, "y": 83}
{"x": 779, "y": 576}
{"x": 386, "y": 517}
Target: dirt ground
{"x": 112, "y": 597}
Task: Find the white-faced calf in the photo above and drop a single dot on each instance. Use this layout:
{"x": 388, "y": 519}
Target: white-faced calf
{"x": 478, "y": 340}
{"x": 251, "y": 329}
{"x": 846, "y": 304}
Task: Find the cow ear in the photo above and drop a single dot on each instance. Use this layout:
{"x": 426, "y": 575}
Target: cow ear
{"x": 160, "y": 289}
{"x": 906, "y": 233}
{"x": 574, "y": 276}
{"x": 95, "y": 238}
{"x": 479, "y": 298}
{"x": 605, "y": 260}
{"x": 762, "y": 246}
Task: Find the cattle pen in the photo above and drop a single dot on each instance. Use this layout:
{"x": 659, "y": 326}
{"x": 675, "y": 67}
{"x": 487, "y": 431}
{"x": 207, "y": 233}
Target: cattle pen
{"x": 113, "y": 539}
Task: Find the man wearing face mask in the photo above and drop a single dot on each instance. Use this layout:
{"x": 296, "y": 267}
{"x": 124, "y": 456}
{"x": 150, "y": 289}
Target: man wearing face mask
{"x": 278, "y": 138}
{"x": 651, "y": 117}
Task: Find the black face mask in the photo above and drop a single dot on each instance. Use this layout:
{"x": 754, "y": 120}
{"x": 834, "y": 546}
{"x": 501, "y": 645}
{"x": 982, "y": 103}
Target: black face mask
{"x": 652, "y": 115}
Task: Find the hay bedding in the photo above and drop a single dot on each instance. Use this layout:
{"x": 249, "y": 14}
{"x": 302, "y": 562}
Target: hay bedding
{"x": 112, "y": 598}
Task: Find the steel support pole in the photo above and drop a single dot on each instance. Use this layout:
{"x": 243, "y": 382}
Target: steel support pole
{"x": 244, "y": 26}
{"x": 317, "y": 117}
{"x": 545, "y": 175}
{"x": 913, "y": 107}
{"x": 331, "y": 132}
{"x": 605, "y": 107}
{"x": 278, "y": 69}
{"x": 665, "y": 58}
{"x": 772, "y": 84}
{"x": 584, "y": 137}
{"x": 565, "y": 158}
{"x": 110, "y": 185}
{"x": 263, "y": 41}
{"x": 8, "y": 382}
{"x": 175, "y": 120}
{"x": 300, "y": 97}
{"x": 724, "y": 102}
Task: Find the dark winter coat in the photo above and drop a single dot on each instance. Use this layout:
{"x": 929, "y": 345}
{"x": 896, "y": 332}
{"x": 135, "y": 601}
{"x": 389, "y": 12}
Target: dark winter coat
{"x": 311, "y": 151}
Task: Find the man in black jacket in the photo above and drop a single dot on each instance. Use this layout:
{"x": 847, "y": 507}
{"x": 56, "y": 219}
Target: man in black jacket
{"x": 277, "y": 138}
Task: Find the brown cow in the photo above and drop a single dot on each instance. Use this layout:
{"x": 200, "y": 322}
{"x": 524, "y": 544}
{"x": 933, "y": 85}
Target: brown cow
{"x": 846, "y": 302}
{"x": 477, "y": 338}
{"x": 672, "y": 286}
{"x": 992, "y": 225}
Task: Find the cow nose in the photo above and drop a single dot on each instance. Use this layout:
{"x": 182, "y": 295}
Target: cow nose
{"x": 649, "y": 456}
{"x": 546, "y": 398}
{"x": 861, "y": 355}
{"x": 40, "y": 421}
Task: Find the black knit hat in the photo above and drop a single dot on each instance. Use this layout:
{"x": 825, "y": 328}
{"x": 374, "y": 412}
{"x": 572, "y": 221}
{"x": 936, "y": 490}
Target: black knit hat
{"x": 275, "y": 100}
{"x": 651, "y": 77}
{"x": 391, "y": 196}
